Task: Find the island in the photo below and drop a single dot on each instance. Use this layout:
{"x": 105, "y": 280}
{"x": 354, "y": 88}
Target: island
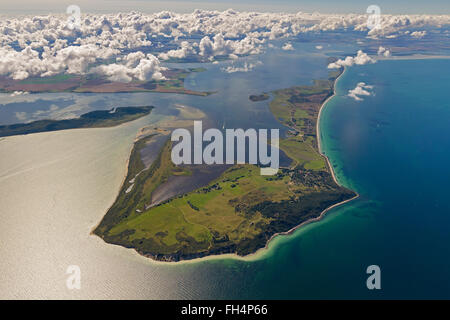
{"x": 94, "y": 119}
{"x": 259, "y": 97}
{"x": 239, "y": 211}
{"x": 93, "y": 83}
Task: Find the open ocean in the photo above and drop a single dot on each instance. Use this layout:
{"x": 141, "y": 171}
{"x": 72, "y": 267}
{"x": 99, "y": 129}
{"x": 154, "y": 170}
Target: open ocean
{"x": 392, "y": 148}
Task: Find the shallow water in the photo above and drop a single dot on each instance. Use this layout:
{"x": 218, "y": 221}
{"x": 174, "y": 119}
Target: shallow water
{"x": 150, "y": 152}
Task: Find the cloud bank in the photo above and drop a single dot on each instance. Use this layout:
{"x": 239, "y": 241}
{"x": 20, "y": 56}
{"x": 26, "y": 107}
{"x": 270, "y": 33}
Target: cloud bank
{"x": 360, "y": 59}
{"x": 39, "y": 46}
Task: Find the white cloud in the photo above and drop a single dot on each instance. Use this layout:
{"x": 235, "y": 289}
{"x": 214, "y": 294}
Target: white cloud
{"x": 247, "y": 67}
{"x": 287, "y": 47}
{"x": 360, "y": 59}
{"x": 22, "y": 64}
{"x": 135, "y": 66}
{"x": 418, "y": 34}
{"x": 184, "y": 51}
{"x": 382, "y": 51}
{"x": 361, "y": 89}
{"x": 18, "y": 93}
{"x": 218, "y": 46}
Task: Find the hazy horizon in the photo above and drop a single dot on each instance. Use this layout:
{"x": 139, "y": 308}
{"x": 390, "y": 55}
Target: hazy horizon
{"x": 150, "y": 6}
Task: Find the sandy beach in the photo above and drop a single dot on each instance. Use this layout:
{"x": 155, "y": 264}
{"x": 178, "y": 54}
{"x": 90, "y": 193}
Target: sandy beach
{"x": 319, "y": 141}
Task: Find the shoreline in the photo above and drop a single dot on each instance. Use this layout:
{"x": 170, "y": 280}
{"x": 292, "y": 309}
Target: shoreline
{"x": 259, "y": 254}
{"x": 319, "y": 141}
{"x": 136, "y": 138}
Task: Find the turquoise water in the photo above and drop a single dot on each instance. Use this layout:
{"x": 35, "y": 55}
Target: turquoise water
{"x": 393, "y": 148}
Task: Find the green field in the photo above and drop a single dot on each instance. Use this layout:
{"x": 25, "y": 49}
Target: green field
{"x": 225, "y": 216}
{"x": 259, "y": 97}
{"x": 298, "y": 108}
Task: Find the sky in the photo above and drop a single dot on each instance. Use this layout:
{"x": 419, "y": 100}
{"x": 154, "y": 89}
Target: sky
{"x": 148, "y": 6}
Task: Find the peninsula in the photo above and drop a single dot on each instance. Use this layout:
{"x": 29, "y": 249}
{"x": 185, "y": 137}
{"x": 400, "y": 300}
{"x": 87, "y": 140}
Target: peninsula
{"x": 94, "y": 119}
{"x": 259, "y": 97}
{"x": 238, "y": 212}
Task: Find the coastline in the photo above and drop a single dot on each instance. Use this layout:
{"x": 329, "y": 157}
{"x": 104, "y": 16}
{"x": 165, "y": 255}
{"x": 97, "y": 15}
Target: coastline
{"x": 260, "y": 253}
{"x": 319, "y": 141}
{"x": 125, "y": 172}
{"x": 323, "y": 213}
